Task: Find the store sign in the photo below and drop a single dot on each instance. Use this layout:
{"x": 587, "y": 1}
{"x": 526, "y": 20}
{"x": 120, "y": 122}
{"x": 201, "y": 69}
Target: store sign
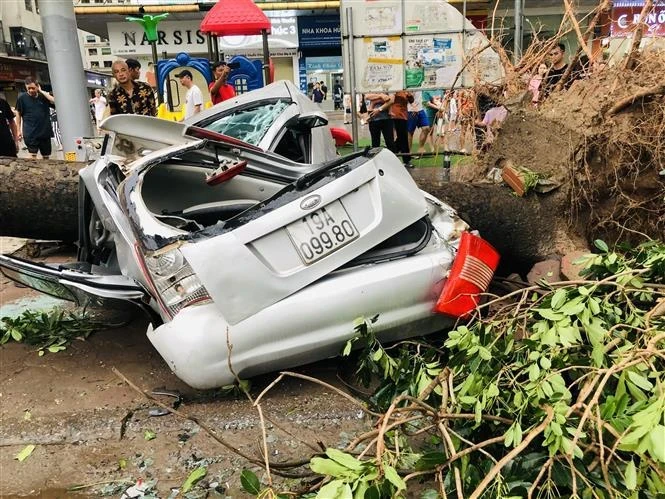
{"x": 330, "y": 63}
{"x": 173, "y": 37}
{"x": 626, "y": 16}
{"x": 319, "y": 31}
{"x": 283, "y": 36}
{"x": 15, "y": 71}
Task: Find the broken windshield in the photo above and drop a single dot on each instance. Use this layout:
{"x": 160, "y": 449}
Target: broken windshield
{"x": 249, "y": 124}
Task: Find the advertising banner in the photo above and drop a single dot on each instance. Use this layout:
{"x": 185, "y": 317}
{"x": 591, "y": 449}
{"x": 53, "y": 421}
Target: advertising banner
{"x": 319, "y": 32}
{"x": 626, "y": 15}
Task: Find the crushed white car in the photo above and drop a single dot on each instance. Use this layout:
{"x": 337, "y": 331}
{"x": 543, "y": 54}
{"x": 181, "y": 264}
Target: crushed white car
{"x": 235, "y": 249}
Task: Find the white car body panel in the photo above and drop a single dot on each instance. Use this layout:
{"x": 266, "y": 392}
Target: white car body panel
{"x": 311, "y": 324}
{"x": 256, "y": 265}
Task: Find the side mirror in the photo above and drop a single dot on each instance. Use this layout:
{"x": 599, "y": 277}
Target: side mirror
{"x": 305, "y": 121}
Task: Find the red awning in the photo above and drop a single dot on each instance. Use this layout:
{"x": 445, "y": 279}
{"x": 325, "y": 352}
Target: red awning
{"x": 235, "y": 17}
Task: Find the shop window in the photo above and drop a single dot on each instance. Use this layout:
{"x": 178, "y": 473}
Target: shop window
{"x": 241, "y": 85}
{"x": 106, "y": 50}
{"x": 90, "y": 38}
{"x": 92, "y": 51}
{"x": 108, "y": 64}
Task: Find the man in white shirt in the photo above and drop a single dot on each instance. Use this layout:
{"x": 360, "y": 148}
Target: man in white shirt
{"x": 194, "y": 97}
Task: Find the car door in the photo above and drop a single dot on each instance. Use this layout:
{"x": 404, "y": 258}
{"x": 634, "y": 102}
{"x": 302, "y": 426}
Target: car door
{"x": 69, "y": 283}
{"x": 313, "y": 226}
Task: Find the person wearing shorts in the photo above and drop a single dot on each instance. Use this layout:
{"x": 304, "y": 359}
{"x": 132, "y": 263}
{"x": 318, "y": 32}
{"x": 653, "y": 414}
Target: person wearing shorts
{"x": 33, "y": 110}
{"x": 418, "y": 119}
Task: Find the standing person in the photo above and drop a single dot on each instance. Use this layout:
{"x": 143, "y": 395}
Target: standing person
{"x": 536, "y": 83}
{"x": 129, "y": 96}
{"x": 194, "y": 97}
{"x": 338, "y": 95}
{"x": 317, "y": 94}
{"x": 220, "y": 89}
{"x": 347, "y": 109}
{"x": 324, "y": 89}
{"x": 33, "y": 110}
{"x": 400, "y": 116}
{"x": 134, "y": 67}
{"x": 418, "y": 119}
{"x": 8, "y": 130}
{"x": 557, "y": 68}
{"x": 55, "y": 127}
{"x": 431, "y": 102}
{"x": 99, "y": 103}
{"x": 379, "y": 120}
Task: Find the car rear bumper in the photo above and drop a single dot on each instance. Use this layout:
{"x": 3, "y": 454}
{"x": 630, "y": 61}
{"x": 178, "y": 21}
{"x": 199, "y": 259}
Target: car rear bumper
{"x": 309, "y": 325}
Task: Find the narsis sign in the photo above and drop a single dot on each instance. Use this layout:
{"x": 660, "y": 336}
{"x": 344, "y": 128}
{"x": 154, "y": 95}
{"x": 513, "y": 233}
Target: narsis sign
{"x": 174, "y": 36}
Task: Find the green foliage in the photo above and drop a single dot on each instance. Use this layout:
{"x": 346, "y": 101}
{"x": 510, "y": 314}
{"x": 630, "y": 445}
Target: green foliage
{"x": 570, "y": 377}
{"x": 194, "y": 477}
{"x": 50, "y": 331}
{"x": 355, "y": 479}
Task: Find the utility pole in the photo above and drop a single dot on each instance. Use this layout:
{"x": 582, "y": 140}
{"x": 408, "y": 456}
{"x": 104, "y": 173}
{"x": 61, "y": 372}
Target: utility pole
{"x": 519, "y": 31}
{"x": 67, "y": 76}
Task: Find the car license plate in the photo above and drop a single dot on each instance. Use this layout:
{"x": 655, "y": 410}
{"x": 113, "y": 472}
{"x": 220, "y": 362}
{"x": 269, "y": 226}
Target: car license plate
{"x": 322, "y": 232}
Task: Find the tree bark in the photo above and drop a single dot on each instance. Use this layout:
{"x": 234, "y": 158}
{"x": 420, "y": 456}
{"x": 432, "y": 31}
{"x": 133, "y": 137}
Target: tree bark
{"x": 522, "y": 229}
{"x": 39, "y": 198}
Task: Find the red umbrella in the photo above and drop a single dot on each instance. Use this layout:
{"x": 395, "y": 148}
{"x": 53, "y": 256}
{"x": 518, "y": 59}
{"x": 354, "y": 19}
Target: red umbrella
{"x": 239, "y": 17}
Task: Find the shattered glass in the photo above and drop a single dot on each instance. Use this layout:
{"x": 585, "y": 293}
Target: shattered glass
{"x": 249, "y": 124}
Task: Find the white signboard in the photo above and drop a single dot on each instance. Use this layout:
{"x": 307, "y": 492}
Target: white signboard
{"x": 128, "y": 38}
{"x": 415, "y": 44}
{"x": 283, "y": 35}
{"x": 381, "y": 62}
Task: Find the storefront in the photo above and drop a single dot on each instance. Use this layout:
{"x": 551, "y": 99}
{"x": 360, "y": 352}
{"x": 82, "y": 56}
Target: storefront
{"x": 14, "y": 71}
{"x": 320, "y": 42}
{"x": 624, "y": 20}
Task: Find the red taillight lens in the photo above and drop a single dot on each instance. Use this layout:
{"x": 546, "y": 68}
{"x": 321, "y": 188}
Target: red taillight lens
{"x": 470, "y": 276}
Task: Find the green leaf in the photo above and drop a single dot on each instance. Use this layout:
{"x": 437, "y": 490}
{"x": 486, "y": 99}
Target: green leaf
{"x": 598, "y": 355}
{"x": 545, "y": 363}
{"x": 484, "y": 353}
{"x": 492, "y": 390}
{"x": 559, "y": 298}
{"x": 430, "y": 460}
{"x": 377, "y": 355}
{"x": 25, "y": 453}
{"x": 122, "y": 463}
{"x": 250, "y": 482}
{"x": 601, "y": 245}
{"x": 149, "y": 435}
{"x": 631, "y": 476}
{"x": 197, "y": 475}
{"x": 347, "y": 348}
{"x": 640, "y": 381}
{"x": 596, "y": 332}
{"x": 328, "y": 467}
{"x": 336, "y": 489}
{"x": 16, "y": 334}
{"x": 657, "y": 441}
{"x": 394, "y": 478}
{"x": 346, "y": 460}
{"x": 549, "y": 314}
{"x": 429, "y": 494}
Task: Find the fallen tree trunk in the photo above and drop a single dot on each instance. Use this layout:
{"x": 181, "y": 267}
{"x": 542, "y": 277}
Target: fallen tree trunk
{"x": 39, "y": 198}
{"x": 523, "y": 229}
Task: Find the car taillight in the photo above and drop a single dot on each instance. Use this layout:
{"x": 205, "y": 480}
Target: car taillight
{"x": 173, "y": 280}
{"x": 469, "y": 277}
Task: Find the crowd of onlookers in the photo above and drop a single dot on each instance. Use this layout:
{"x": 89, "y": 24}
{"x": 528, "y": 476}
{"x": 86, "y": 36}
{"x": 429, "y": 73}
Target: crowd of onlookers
{"x": 459, "y": 120}
{"x": 34, "y": 121}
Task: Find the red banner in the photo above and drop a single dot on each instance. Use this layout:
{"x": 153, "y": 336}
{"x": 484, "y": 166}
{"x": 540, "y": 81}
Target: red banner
{"x": 626, "y": 17}
{"x": 12, "y": 71}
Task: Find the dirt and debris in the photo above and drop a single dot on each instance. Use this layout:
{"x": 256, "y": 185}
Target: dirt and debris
{"x": 603, "y": 139}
